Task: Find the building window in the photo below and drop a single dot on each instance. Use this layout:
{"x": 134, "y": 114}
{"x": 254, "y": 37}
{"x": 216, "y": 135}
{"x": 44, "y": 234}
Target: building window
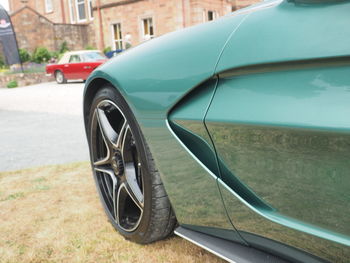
{"x": 211, "y": 15}
{"x": 147, "y": 28}
{"x": 71, "y": 12}
{"x": 81, "y": 14}
{"x": 91, "y": 13}
{"x": 48, "y": 6}
{"x": 117, "y": 36}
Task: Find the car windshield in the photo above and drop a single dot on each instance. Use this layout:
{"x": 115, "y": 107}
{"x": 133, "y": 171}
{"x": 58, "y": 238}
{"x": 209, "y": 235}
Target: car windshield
{"x": 93, "y": 56}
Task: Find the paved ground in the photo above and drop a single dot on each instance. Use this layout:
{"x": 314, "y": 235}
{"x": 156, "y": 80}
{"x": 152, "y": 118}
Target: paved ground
{"x": 41, "y": 124}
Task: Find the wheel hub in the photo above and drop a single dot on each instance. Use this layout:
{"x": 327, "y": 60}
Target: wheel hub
{"x": 117, "y": 163}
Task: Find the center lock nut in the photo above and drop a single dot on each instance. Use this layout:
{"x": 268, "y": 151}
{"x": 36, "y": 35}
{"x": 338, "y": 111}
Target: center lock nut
{"x": 118, "y": 164}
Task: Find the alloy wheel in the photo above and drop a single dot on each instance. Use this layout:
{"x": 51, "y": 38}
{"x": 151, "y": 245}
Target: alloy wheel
{"x": 59, "y": 77}
{"x": 117, "y": 165}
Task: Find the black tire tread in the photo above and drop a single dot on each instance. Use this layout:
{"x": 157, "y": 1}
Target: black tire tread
{"x": 163, "y": 220}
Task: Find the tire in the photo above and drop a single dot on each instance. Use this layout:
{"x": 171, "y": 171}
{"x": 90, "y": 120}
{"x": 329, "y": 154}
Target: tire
{"x": 60, "y": 78}
{"x": 127, "y": 181}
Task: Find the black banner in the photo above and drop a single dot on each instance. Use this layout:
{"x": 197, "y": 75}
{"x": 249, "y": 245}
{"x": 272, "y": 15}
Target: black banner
{"x": 8, "y": 39}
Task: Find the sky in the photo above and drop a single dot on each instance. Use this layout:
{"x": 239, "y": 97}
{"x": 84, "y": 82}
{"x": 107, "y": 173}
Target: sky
{"x": 5, "y": 4}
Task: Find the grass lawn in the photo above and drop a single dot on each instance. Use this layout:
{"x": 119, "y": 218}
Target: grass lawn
{"x": 53, "y": 214}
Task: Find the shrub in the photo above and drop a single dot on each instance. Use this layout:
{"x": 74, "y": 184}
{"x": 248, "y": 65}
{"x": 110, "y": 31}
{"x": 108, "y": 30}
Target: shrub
{"x": 12, "y": 84}
{"x": 54, "y": 54}
{"x": 41, "y": 54}
{"x": 64, "y": 47}
{"x": 24, "y": 55}
{"x": 88, "y": 47}
{"x": 107, "y": 49}
{"x": 2, "y": 61}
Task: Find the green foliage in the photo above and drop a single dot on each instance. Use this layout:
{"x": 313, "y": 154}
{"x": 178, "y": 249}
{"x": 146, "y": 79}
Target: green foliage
{"x": 107, "y": 49}
{"x": 55, "y": 56}
{"x": 64, "y": 47}
{"x": 24, "y": 55}
{"x": 88, "y": 47}
{"x": 40, "y": 55}
{"x": 12, "y": 84}
{"x": 2, "y": 61}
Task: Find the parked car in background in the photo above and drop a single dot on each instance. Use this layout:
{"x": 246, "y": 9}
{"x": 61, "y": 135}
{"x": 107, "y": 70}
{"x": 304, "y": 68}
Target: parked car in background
{"x": 76, "y": 65}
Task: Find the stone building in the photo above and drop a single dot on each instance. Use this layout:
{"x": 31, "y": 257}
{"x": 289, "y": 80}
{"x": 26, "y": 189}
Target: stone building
{"x": 109, "y": 23}
{"x": 49, "y": 23}
{"x": 58, "y": 11}
{"x": 35, "y": 30}
{"x": 118, "y": 23}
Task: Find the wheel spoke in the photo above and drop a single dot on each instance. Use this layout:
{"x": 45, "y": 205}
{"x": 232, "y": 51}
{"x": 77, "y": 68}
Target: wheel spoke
{"x": 111, "y": 188}
{"x": 108, "y": 133}
{"x": 125, "y": 218}
{"x": 121, "y": 136}
{"x": 132, "y": 186}
{"x": 120, "y": 203}
{"x": 107, "y": 172}
{"x": 103, "y": 161}
{"x": 97, "y": 145}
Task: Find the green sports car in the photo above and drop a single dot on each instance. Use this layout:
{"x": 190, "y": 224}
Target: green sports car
{"x": 234, "y": 134}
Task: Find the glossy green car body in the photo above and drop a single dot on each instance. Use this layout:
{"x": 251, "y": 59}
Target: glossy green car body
{"x": 250, "y": 128}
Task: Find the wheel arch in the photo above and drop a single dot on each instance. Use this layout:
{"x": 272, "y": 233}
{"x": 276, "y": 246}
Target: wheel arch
{"x": 91, "y": 88}
{"x": 57, "y": 70}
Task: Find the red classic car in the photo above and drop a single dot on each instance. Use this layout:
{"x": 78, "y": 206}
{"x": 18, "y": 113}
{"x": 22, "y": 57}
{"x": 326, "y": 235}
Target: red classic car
{"x": 76, "y": 65}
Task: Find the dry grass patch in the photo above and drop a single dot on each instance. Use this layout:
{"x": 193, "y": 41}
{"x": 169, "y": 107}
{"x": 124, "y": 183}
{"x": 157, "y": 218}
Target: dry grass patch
{"x": 52, "y": 214}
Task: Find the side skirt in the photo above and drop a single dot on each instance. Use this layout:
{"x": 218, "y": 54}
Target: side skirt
{"x": 227, "y": 250}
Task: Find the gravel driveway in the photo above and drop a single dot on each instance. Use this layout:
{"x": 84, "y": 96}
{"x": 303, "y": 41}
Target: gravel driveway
{"x": 40, "y": 125}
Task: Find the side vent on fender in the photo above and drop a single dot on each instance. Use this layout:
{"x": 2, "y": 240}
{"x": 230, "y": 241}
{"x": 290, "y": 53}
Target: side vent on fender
{"x": 186, "y": 121}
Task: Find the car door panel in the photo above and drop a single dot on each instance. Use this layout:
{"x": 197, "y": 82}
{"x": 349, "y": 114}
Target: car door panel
{"x": 280, "y": 124}
{"x": 67, "y": 70}
{"x": 282, "y": 136}
{"x": 88, "y": 67}
{"x": 74, "y": 69}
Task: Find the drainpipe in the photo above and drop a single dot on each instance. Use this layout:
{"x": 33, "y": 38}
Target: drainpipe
{"x": 63, "y": 13}
{"x": 102, "y": 42}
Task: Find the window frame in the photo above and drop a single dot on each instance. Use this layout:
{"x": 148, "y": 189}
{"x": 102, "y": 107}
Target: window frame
{"x": 143, "y": 35}
{"x": 90, "y": 10}
{"x": 47, "y": 10}
{"x": 77, "y": 3}
{"x": 71, "y": 11}
{"x": 113, "y": 36}
{"x": 214, "y": 16}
